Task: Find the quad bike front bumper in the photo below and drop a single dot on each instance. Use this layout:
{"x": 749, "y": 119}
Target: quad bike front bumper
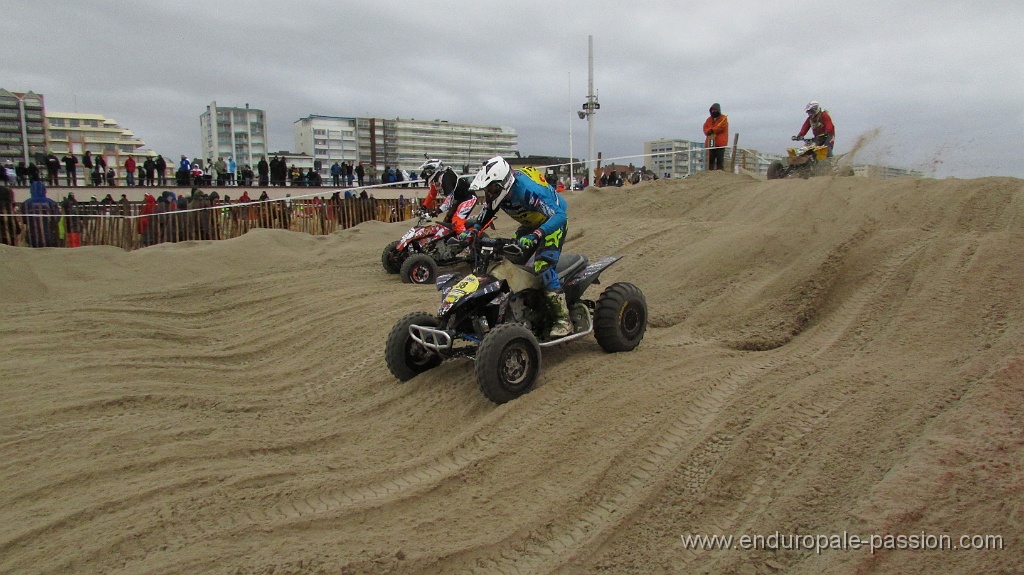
{"x": 442, "y": 342}
{"x": 438, "y": 340}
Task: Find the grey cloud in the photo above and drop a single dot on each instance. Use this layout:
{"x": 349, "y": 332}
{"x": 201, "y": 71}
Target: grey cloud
{"x": 938, "y": 79}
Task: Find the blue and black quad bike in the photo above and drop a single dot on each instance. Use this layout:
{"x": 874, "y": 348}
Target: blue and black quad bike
{"x": 500, "y": 317}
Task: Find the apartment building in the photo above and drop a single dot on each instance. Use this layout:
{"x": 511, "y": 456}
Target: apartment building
{"x": 22, "y": 126}
{"x": 400, "y": 143}
{"x": 674, "y": 158}
{"x": 238, "y": 133}
{"x": 328, "y": 139}
{"x": 75, "y": 133}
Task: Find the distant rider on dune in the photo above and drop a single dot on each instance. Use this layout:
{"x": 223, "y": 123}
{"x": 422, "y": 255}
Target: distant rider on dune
{"x": 820, "y": 123}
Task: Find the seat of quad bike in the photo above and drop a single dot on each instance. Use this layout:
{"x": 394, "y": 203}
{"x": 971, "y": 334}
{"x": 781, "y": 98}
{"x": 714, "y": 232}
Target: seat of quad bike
{"x": 569, "y": 264}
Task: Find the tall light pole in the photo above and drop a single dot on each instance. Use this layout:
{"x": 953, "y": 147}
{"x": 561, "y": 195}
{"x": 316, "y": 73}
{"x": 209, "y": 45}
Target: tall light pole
{"x": 571, "y": 159}
{"x": 590, "y": 107}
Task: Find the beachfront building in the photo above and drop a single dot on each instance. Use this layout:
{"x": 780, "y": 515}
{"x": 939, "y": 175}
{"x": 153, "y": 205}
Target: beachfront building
{"x": 874, "y": 171}
{"x": 75, "y": 133}
{"x": 401, "y": 143}
{"x": 674, "y": 158}
{"x": 22, "y": 126}
{"x": 238, "y": 133}
{"x": 681, "y": 158}
{"x": 327, "y": 139}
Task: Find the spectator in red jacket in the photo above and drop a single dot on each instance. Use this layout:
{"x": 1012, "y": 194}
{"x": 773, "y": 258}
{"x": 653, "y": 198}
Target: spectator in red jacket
{"x": 129, "y": 171}
{"x": 820, "y": 123}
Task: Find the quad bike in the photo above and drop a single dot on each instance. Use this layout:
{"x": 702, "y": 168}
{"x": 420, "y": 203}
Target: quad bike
{"x": 500, "y": 317}
{"x": 417, "y": 254}
{"x": 808, "y": 160}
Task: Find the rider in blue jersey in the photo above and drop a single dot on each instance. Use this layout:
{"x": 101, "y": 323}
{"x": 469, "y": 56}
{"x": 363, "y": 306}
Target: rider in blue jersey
{"x": 541, "y": 213}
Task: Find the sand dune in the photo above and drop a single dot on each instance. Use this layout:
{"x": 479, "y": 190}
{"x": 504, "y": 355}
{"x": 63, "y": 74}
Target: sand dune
{"x": 824, "y": 355}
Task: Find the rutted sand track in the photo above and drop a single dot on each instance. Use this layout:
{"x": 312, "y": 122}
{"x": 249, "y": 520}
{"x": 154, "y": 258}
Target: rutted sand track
{"x": 225, "y": 407}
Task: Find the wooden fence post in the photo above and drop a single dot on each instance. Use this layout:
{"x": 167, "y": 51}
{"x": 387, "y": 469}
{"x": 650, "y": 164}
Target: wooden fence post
{"x": 735, "y": 140}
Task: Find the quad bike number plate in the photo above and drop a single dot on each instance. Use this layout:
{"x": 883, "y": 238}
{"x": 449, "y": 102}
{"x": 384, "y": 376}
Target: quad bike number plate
{"x": 469, "y": 284}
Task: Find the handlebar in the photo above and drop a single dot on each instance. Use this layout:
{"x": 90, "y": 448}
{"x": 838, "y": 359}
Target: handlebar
{"x": 506, "y": 246}
{"x": 816, "y": 140}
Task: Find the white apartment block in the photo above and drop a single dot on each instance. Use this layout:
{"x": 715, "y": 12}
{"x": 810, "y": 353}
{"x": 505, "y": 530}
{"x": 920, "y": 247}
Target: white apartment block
{"x": 681, "y": 158}
{"x": 674, "y": 158}
{"x": 22, "y": 126}
{"x": 329, "y": 139}
{"x": 75, "y": 133}
{"x": 401, "y": 143}
{"x": 238, "y": 133}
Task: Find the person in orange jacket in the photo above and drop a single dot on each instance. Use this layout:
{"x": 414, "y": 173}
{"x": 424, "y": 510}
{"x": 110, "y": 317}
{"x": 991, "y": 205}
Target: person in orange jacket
{"x": 716, "y": 129}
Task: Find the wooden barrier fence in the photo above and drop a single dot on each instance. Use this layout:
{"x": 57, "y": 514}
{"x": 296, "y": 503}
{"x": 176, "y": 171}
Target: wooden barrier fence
{"x": 128, "y": 226}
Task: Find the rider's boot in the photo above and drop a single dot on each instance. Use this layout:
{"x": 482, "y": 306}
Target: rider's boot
{"x": 562, "y": 326}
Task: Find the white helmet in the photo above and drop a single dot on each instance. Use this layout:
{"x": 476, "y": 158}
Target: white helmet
{"x": 495, "y": 179}
{"x": 429, "y": 167}
{"x": 813, "y": 108}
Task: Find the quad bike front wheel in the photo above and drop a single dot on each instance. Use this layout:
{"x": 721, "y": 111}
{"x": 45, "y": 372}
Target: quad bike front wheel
{"x": 391, "y": 258}
{"x": 405, "y": 357}
{"x": 620, "y": 317}
{"x": 507, "y": 363}
{"x": 419, "y": 269}
{"x": 776, "y": 171}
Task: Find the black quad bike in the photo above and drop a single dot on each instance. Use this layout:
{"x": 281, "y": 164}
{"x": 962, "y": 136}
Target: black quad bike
{"x": 500, "y": 317}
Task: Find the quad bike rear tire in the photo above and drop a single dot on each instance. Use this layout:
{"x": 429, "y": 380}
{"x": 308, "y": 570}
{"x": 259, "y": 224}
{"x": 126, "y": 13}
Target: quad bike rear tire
{"x": 507, "y": 363}
{"x": 776, "y": 171}
{"x": 405, "y": 357}
{"x": 620, "y": 317}
{"x": 419, "y": 269}
{"x": 391, "y": 258}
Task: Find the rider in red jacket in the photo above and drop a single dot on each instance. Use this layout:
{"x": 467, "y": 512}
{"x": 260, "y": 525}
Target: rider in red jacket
{"x": 458, "y": 200}
{"x": 820, "y": 123}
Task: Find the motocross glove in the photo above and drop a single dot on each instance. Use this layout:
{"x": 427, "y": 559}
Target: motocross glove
{"x": 795, "y": 138}
{"x": 468, "y": 235}
{"x": 528, "y": 242}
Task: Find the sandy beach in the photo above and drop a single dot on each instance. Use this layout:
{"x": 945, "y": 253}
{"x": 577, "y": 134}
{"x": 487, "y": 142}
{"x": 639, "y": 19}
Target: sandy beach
{"x": 824, "y": 356}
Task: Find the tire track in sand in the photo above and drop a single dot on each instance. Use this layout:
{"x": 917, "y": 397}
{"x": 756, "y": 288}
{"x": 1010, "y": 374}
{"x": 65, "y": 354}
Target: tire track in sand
{"x": 413, "y": 481}
{"x": 669, "y": 451}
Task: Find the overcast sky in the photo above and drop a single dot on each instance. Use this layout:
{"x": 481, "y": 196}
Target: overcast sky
{"x": 932, "y": 85}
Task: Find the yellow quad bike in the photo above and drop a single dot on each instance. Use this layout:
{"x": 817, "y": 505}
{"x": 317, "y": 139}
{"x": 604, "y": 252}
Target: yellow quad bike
{"x": 808, "y": 160}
